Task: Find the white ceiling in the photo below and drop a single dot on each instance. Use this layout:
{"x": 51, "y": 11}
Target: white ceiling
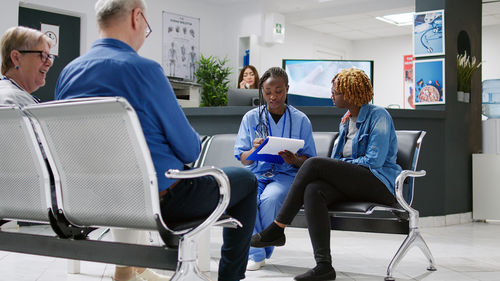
{"x": 354, "y": 19}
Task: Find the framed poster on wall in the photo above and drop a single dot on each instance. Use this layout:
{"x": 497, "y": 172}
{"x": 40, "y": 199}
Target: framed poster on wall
{"x": 429, "y": 82}
{"x": 409, "y": 86}
{"x": 428, "y": 33}
{"x": 181, "y": 46}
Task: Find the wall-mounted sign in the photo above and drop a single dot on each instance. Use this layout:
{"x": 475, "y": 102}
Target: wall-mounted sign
{"x": 52, "y": 31}
{"x": 409, "y": 87}
{"x": 428, "y": 33}
{"x": 429, "y": 82}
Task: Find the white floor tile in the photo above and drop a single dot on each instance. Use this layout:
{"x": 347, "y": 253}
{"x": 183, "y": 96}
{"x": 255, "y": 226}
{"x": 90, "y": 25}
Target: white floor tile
{"x": 462, "y": 252}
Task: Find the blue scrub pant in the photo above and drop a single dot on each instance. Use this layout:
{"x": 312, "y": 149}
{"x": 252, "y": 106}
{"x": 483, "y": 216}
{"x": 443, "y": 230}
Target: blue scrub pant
{"x": 270, "y": 196}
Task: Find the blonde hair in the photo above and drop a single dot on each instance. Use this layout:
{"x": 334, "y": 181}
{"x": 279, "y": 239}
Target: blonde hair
{"x": 107, "y": 10}
{"x": 20, "y": 38}
{"x": 355, "y": 85}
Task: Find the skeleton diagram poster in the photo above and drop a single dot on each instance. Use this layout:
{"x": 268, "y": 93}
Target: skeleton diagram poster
{"x": 181, "y": 45}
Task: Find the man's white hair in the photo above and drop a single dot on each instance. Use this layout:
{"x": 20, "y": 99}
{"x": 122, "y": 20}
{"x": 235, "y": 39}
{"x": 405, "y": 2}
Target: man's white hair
{"x": 114, "y": 9}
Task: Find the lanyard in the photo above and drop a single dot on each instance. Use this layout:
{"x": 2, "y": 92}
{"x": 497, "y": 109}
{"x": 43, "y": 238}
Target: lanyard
{"x": 284, "y": 123}
{"x": 13, "y": 83}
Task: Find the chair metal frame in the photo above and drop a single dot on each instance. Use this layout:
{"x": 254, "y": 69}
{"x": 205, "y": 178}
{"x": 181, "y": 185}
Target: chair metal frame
{"x": 187, "y": 268}
{"x": 30, "y": 163}
{"x": 406, "y": 218}
{"x": 378, "y": 218}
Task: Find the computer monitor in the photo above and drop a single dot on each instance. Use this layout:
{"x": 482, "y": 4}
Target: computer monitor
{"x": 243, "y": 97}
{"x": 310, "y": 80}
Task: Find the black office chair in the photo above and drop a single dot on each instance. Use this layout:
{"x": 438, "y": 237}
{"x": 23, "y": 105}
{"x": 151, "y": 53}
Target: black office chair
{"x": 400, "y": 219}
{"x": 379, "y": 218}
{"x": 324, "y": 142}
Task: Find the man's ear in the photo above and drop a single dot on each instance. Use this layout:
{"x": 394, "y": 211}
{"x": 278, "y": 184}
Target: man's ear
{"x": 136, "y": 14}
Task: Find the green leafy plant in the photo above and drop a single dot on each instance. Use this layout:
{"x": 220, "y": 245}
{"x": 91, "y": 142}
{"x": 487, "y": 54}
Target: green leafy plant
{"x": 214, "y": 79}
{"x": 466, "y": 66}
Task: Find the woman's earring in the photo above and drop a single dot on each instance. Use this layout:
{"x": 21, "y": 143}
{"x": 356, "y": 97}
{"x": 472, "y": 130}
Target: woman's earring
{"x": 17, "y": 66}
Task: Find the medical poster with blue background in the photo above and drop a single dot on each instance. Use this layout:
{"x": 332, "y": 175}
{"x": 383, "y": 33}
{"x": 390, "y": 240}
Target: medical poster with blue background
{"x": 429, "y": 82}
{"x": 428, "y": 33}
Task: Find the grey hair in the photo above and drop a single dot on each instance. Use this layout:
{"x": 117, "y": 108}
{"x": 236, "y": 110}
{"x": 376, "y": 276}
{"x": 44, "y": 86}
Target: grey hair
{"x": 115, "y": 9}
{"x": 20, "y": 38}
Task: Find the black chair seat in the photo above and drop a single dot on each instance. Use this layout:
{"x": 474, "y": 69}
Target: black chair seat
{"x": 360, "y": 207}
{"x": 179, "y": 226}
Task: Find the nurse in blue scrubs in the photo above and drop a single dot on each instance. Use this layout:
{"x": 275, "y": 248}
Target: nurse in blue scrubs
{"x": 272, "y": 118}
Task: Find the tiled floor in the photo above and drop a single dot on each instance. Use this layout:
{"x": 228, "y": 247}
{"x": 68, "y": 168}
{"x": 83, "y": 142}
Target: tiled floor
{"x": 462, "y": 252}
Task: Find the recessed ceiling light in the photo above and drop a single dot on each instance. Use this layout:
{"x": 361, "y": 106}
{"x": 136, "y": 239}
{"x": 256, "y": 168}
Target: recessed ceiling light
{"x": 321, "y": 1}
{"x": 398, "y": 19}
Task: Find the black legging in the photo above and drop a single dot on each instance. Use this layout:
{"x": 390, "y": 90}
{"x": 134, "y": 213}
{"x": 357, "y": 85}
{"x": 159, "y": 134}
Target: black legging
{"x": 323, "y": 182}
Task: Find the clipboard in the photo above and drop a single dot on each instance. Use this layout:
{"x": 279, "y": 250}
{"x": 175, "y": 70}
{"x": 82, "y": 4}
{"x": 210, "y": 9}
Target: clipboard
{"x": 268, "y": 150}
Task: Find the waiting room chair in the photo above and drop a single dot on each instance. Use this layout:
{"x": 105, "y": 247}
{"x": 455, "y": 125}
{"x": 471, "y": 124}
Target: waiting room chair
{"x": 219, "y": 152}
{"x": 324, "y": 142}
{"x": 404, "y": 219}
{"x": 24, "y": 176}
{"x": 378, "y": 218}
{"x": 106, "y": 176}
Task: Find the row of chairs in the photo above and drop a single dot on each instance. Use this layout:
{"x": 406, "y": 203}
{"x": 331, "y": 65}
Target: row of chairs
{"x": 355, "y": 216}
{"x": 82, "y": 164}
{"x": 95, "y": 170}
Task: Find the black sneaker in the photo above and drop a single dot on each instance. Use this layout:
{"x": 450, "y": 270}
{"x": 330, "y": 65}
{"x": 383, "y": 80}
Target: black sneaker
{"x": 319, "y": 273}
{"x": 258, "y": 241}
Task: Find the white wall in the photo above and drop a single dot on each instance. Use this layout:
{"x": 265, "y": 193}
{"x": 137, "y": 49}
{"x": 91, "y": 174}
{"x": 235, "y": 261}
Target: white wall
{"x": 302, "y": 43}
{"x": 490, "y": 52}
{"x": 221, "y": 28}
{"x": 387, "y": 54}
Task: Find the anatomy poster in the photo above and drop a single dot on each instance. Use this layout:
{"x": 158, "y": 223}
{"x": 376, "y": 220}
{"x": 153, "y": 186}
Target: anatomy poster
{"x": 428, "y": 33}
{"x": 181, "y": 46}
{"x": 429, "y": 82}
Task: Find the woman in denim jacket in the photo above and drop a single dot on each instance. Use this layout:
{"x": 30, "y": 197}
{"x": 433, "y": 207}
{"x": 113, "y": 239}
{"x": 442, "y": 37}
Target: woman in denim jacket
{"x": 362, "y": 168}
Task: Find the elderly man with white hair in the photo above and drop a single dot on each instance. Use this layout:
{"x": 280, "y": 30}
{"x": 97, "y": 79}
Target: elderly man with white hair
{"x": 112, "y": 67}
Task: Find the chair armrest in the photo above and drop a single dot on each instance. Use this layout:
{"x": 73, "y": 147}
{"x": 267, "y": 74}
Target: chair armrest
{"x": 224, "y": 192}
{"x": 398, "y": 190}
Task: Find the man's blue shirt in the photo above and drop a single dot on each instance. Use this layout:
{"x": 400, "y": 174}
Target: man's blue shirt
{"x": 374, "y": 146}
{"x": 113, "y": 68}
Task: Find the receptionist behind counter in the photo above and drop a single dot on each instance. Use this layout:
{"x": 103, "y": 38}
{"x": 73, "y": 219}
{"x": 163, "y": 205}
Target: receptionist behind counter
{"x": 249, "y": 78}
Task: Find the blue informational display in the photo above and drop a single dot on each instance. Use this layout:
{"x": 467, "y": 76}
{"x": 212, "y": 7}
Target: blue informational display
{"x": 428, "y": 33}
{"x": 310, "y": 80}
{"x": 429, "y": 82}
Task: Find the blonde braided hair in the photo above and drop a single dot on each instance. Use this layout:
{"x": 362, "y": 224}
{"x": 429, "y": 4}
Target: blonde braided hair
{"x": 355, "y": 85}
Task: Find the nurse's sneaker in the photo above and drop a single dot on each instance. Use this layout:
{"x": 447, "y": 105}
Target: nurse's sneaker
{"x": 255, "y": 265}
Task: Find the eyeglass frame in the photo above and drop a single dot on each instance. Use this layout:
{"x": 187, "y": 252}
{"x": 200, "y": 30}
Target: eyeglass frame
{"x": 149, "y": 30}
{"x": 48, "y": 56}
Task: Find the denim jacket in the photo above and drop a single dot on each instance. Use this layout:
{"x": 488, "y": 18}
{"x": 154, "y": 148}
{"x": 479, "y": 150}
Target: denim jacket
{"x": 374, "y": 146}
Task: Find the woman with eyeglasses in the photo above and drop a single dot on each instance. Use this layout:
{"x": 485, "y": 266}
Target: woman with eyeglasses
{"x": 26, "y": 59}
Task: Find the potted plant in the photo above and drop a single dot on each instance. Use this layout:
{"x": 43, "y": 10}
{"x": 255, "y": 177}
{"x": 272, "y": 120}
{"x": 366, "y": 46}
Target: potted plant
{"x": 466, "y": 66}
{"x": 214, "y": 79}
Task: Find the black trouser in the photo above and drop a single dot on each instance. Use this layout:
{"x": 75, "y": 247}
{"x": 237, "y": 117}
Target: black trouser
{"x": 198, "y": 197}
{"x": 323, "y": 182}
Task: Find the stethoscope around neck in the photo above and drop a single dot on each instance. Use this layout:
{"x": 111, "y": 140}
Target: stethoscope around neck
{"x": 264, "y": 128}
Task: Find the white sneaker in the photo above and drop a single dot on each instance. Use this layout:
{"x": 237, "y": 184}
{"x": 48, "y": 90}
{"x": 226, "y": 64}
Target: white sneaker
{"x": 255, "y": 265}
{"x": 149, "y": 275}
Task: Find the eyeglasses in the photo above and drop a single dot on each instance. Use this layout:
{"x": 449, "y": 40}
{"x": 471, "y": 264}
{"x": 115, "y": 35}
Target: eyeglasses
{"x": 44, "y": 56}
{"x": 148, "y": 28}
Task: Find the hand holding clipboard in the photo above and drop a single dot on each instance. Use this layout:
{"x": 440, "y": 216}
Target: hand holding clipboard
{"x": 269, "y": 149}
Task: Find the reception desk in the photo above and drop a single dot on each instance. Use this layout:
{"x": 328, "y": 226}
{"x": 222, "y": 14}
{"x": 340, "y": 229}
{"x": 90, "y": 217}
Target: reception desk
{"x": 431, "y": 191}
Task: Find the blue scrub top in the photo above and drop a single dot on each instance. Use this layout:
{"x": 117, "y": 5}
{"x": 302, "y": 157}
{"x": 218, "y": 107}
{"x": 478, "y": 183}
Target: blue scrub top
{"x": 297, "y": 126}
